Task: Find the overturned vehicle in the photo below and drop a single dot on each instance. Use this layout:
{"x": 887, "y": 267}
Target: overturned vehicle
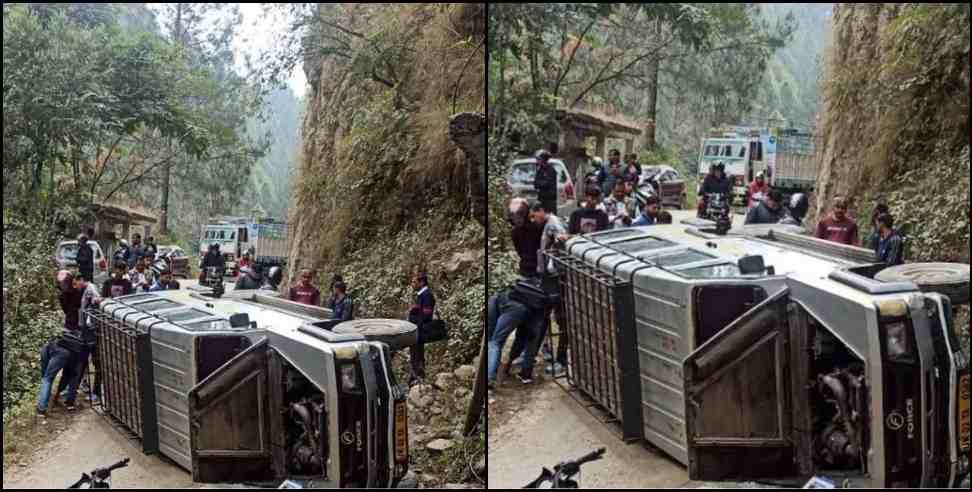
{"x": 253, "y": 388}
{"x": 766, "y": 354}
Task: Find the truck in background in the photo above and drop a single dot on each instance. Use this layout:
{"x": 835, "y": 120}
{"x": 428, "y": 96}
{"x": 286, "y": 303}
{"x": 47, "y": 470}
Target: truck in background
{"x": 266, "y": 239}
{"x": 787, "y": 157}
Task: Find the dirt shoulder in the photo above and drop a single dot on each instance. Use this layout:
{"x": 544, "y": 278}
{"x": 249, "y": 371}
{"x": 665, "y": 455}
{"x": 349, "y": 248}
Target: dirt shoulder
{"x": 79, "y": 443}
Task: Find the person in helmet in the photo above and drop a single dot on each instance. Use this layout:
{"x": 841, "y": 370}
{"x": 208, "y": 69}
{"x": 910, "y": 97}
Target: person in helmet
{"x": 213, "y": 258}
{"x": 123, "y": 253}
{"x": 757, "y": 189}
{"x": 716, "y": 181}
{"x": 545, "y": 182}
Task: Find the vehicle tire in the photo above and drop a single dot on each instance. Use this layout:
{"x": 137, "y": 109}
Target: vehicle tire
{"x": 398, "y": 334}
{"x": 948, "y": 279}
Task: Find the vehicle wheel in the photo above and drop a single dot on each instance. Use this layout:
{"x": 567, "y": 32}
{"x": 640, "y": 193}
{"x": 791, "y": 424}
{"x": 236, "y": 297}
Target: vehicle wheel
{"x": 398, "y": 334}
{"x": 948, "y": 279}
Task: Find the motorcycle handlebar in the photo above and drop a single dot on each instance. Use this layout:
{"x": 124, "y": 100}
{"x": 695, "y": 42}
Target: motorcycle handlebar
{"x": 105, "y": 472}
{"x": 596, "y": 455}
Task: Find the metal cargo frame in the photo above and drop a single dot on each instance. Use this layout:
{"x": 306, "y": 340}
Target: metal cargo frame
{"x": 128, "y": 389}
{"x": 603, "y": 362}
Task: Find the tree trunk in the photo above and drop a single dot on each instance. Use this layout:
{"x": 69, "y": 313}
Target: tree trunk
{"x": 653, "y": 68}
{"x": 468, "y": 131}
{"x": 475, "y": 412}
{"x": 167, "y": 170}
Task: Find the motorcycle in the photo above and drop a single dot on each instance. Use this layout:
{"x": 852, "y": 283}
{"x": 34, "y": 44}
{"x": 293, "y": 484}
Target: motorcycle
{"x": 562, "y": 476}
{"x": 717, "y": 208}
{"x": 252, "y": 279}
{"x": 100, "y": 478}
{"x": 212, "y": 277}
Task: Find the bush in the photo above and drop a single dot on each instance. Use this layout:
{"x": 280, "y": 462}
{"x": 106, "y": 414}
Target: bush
{"x": 31, "y": 314}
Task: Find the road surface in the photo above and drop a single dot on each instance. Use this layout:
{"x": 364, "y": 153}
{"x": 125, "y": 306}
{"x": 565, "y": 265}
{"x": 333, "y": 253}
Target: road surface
{"x": 531, "y": 427}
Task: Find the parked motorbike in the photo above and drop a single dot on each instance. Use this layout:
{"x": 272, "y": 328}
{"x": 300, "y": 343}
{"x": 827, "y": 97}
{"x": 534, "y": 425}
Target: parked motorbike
{"x": 251, "y": 278}
{"x": 100, "y": 478}
{"x": 212, "y": 277}
{"x": 717, "y": 208}
{"x": 562, "y": 476}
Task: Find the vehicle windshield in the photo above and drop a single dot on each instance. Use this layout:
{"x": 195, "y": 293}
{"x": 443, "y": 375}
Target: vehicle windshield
{"x": 526, "y": 172}
{"x": 68, "y": 251}
{"x": 164, "y": 251}
{"x": 651, "y": 172}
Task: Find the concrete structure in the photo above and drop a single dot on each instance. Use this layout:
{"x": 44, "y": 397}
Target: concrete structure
{"x": 577, "y": 126}
{"x": 112, "y": 219}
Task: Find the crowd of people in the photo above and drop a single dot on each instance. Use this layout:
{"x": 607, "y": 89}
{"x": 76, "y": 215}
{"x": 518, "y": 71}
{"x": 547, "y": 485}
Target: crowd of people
{"x": 617, "y": 202}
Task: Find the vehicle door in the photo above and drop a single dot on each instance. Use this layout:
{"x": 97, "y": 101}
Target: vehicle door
{"x": 229, "y": 419}
{"x": 672, "y": 187}
{"x": 738, "y": 399}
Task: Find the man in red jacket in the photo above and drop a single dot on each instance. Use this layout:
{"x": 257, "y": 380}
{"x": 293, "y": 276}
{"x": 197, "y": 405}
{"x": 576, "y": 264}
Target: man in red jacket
{"x": 304, "y": 292}
{"x": 838, "y": 227}
{"x": 758, "y": 187}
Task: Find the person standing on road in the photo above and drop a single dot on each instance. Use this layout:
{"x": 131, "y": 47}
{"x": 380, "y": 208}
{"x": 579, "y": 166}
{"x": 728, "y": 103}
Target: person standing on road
{"x": 504, "y": 316}
{"x": 340, "y": 303}
{"x": 590, "y": 217}
{"x": 619, "y": 207}
{"x": 85, "y": 258}
{"x": 165, "y": 282}
{"x": 421, "y": 312}
{"x": 140, "y": 277}
{"x": 890, "y": 248}
{"x": 838, "y": 227}
{"x": 526, "y": 236}
{"x": 117, "y": 285}
{"x": 632, "y": 170}
{"x": 151, "y": 250}
{"x": 553, "y": 230}
{"x": 123, "y": 253}
{"x": 649, "y": 215}
{"x": 611, "y": 174}
{"x": 137, "y": 251}
{"x": 304, "y": 292}
{"x": 545, "y": 182}
{"x": 770, "y": 211}
{"x": 90, "y": 298}
{"x": 875, "y": 237}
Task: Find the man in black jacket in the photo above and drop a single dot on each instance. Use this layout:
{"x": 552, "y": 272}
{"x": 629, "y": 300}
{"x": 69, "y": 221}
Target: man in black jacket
{"x": 421, "y": 312}
{"x": 769, "y": 211}
{"x": 545, "y": 182}
{"x": 85, "y": 258}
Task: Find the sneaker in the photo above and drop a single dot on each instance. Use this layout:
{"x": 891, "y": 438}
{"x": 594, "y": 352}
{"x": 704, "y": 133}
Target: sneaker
{"x": 518, "y": 362}
{"x": 547, "y": 354}
{"x": 41, "y": 413}
{"x": 70, "y": 406}
{"x": 84, "y": 387}
{"x": 556, "y": 370}
{"x": 95, "y": 400}
{"x": 525, "y": 379}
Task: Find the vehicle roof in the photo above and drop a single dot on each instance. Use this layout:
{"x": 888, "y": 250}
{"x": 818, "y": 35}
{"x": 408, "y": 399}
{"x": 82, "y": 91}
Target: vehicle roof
{"x": 268, "y": 318}
{"x": 788, "y": 260}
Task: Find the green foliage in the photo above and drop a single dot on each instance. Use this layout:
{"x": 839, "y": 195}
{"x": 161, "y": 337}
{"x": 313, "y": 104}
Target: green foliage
{"x": 31, "y": 314}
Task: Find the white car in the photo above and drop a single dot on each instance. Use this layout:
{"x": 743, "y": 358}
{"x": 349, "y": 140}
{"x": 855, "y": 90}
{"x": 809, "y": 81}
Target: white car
{"x": 66, "y": 257}
{"x": 520, "y": 184}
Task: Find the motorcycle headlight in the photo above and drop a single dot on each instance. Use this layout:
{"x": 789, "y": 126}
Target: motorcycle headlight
{"x": 898, "y": 344}
{"x": 350, "y": 383}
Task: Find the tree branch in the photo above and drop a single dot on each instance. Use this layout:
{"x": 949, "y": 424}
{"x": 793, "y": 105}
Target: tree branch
{"x": 570, "y": 60}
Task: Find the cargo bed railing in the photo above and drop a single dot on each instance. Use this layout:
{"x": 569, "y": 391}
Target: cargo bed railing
{"x": 126, "y": 377}
{"x": 602, "y": 342}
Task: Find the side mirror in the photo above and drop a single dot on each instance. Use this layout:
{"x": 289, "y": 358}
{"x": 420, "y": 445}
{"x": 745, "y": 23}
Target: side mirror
{"x": 749, "y": 265}
{"x": 240, "y": 320}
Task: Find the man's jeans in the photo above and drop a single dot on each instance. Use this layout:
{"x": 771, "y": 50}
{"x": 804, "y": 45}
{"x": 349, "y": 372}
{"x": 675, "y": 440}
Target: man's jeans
{"x": 74, "y": 373}
{"x": 502, "y": 325}
{"x": 52, "y": 362}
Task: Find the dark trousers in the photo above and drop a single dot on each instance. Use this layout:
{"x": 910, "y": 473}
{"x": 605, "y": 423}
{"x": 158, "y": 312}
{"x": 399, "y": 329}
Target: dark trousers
{"x": 417, "y": 356}
{"x": 550, "y": 206}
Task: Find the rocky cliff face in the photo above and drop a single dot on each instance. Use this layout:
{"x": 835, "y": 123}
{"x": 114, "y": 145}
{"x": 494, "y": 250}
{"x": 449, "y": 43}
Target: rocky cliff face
{"x": 895, "y": 120}
{"x": 391, "y": 177}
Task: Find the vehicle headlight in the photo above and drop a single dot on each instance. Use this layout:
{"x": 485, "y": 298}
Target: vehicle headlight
{"x": 898, "y": 345}
{"x": 350, "y": 383}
